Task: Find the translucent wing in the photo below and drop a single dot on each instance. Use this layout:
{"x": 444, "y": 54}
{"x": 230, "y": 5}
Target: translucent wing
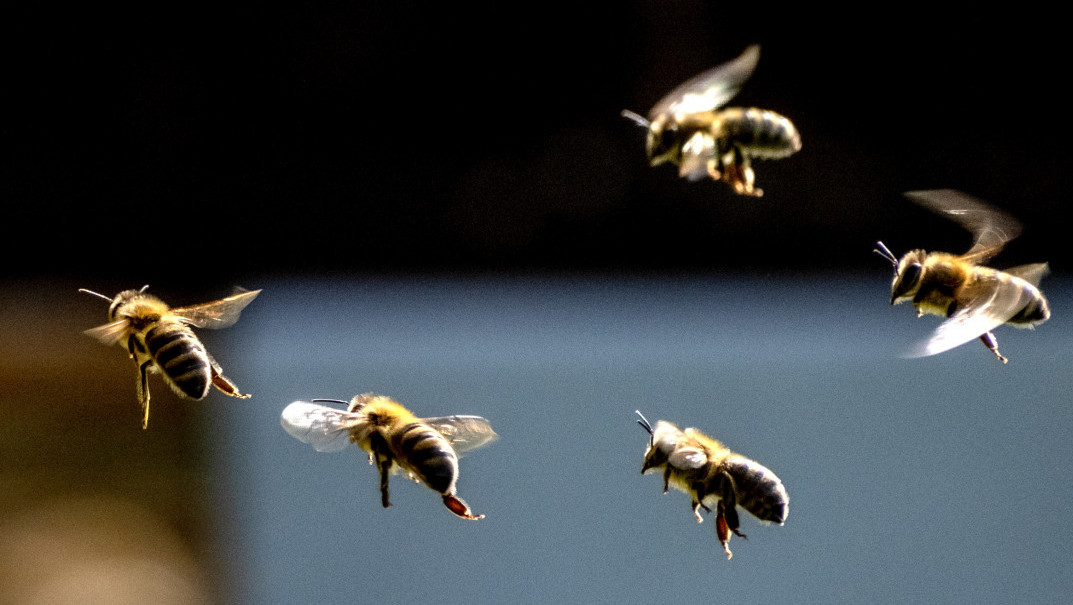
{"x": 996, "y": 302}
{"x": 218, "y": 313}
{"x": 327, "y": 429}
{"x": 710, "y": 89}
{"x": 991, "y": 228}
{"x": 109, "y": 333}
{"x": 687, "y": 457}
{"x": 464, "y": 433}
{"x": 1032, "y": 274}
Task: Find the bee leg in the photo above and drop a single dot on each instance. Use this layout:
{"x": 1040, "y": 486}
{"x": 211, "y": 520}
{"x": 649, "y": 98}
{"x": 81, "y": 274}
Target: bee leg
{"x": 459, "y": 507}
{"x": 143, "y": 390}
{"x": 666, "y": 478}
{"x": 991, "y": 343}
{"x": 738, "y": 173}
{"x": 696, "y": 510}
{"x": 715, "y": 170}
{"x": 699, "y": 494}
{"x": 223, "y": 383}
{"x": 384, "y": 463}
{"x": 728, "y": 505}
{"x": 381, "y": 452}
{"x": 722, "y": 530}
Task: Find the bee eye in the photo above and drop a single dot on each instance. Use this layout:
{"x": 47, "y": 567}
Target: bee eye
{"x": 666, "y": 140}
{"x": 905, "y": 282}
{"x": 911, "y": 275}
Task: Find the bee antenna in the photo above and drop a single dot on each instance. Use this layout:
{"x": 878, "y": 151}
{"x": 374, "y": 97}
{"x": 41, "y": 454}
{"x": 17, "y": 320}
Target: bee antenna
{"x": 633, "y": 117}
{"x": 144, "y": 288}
{"x": 885, "y": 252}
{"x": 330, "y": 401}
{"x": 643, "y": 422}
{"x": 98, "y": 295}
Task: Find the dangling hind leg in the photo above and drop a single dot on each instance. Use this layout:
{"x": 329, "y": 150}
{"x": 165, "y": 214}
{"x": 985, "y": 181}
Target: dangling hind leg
{"x": 459, "y": 507}
{"x": 991, "y": 343}
{"x": 223, "y": 383}
{"x": 142, "y": 388}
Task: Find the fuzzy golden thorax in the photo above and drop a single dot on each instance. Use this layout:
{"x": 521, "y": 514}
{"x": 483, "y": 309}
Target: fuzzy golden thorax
{"x": 138, "y": 308}
{"x": 381, "y": 413}
{"x": 929, "y": 281}
{"x": 677, "y": 453}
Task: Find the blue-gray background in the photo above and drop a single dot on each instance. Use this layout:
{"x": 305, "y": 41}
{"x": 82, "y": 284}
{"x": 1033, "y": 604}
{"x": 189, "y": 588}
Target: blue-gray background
{"x": 442, "y": 204}
{"x": 938, "y": 480}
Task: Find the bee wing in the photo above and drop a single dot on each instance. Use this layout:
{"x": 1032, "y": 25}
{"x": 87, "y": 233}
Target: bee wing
{"x": 218, "y": 313}
{"x": 327, "y": 429}
{"x": 109, "y": 333}
{"x": 1032, "y": 274}
{"x": 996, "y": 302}
{"x": 695, "y": 155}
{"x": 464, "y": 433}
{"x": 710, "y": 89}
{"x": 991, "y": 228}
{"x": 686, "y": 457}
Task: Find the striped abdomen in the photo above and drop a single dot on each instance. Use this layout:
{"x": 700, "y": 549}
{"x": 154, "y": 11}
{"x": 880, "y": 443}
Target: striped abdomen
{"x": 1034, "y": 312}
{"x": 758, "y": 490}
{"x": 181, "y": 357}
{"x": 1003, "y": 294}
{"x": 425, "y": 452}
{"x": 759, "y": 133}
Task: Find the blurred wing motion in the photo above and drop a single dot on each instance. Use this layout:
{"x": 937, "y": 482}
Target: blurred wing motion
{"x": 464, "y": 433}
{"x": 991, "y": 228}
{"x": 710, "y": 89}
{"x": 109, "y": 333}
{"x": 327, "y": 429}
{"x": 996, "y": 300}
{"x": 1032, "y": 273}
{"x": 218, "y": 313}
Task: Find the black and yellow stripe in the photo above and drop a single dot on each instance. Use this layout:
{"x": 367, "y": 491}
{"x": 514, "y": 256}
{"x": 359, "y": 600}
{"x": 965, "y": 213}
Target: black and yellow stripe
{"x": 761, "y": 133}
{"x": 428, "y": 455}
{"x": 758, "y": 490}
{"x": 181, "y": 357}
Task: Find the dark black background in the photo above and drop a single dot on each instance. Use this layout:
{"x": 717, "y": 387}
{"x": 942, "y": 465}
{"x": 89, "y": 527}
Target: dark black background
{"x": 183, "y": 143}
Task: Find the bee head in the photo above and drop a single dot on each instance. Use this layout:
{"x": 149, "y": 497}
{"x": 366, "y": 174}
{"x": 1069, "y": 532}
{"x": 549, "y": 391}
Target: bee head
{"x": 655, "y": 456}
{"x": 120, "y": 299}
{"x": 907, "y": 277}
{"x": 663, "y": 143}
{"x": 358, "y": 402}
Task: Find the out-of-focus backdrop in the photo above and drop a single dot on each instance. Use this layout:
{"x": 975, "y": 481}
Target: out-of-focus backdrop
{"x": 443, "y": 204}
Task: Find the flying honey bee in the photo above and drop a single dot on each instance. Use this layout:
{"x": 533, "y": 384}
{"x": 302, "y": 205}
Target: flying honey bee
{"x": 710, "y": 473}
{"x": 427, "y": 449}
{"x": 688, "y": 129}
{"x": 973, "y": 298}
{"x": 159, "y": 339}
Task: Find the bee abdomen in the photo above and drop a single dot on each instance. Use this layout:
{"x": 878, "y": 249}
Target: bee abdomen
{"x": 1037, "y": 310}
{"x": 429, "y": 456}
{"x": 181, "y": 357}
{"x": 759, "y": 490}
{"x": 760, "y": 133}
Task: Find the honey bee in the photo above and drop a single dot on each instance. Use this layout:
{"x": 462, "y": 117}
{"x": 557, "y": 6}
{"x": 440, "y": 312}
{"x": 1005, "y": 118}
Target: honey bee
{"x": 159, "y": 339}
{"x": 687, "y": 128}
{"x": 973, "y": 298}
{"x": 710, "y": 473}
{"x": 427, "y": 449}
